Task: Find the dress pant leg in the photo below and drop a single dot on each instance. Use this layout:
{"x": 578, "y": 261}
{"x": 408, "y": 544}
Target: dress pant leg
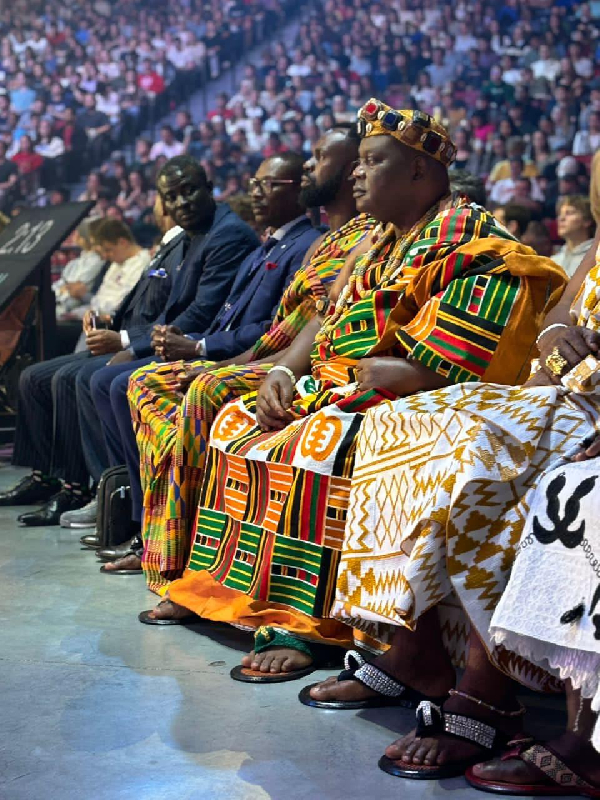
{"x": 100, "y": 384}
{"x": 92, "y": 436}
{"x": 131, "y": 454}
{"x": 34, "y": 440}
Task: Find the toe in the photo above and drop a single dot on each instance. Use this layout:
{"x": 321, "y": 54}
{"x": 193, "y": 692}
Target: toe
{"x": 398, "y": 748}
{"x": 265, "y": 664}
{"x": 321, "y": 690}
{"x": 410, "y": 751}
{"x": 248, "y": 660}
{"x": 277, "y": 664}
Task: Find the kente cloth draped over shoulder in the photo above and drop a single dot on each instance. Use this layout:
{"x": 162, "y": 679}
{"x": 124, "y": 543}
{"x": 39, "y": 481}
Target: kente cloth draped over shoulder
{"x": 456, "y": 293}
{"x": 172, "y": 430}
{"x": 550, "y": 610}
{"x": 442, "y": 486}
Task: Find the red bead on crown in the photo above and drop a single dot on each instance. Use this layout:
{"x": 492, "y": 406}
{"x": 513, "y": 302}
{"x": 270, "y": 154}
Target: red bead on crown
{"x": 371, "y": 109}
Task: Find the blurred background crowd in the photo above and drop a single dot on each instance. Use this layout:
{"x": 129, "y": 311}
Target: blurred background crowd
{"x": 97, "y": 97}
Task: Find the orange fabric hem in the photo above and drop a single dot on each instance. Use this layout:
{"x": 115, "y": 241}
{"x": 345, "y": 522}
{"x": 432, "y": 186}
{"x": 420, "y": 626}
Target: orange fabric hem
{"x": 200, "y": 593}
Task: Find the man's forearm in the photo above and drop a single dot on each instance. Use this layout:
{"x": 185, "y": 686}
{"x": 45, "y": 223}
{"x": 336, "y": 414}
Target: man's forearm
{"x": 297, "y": 357}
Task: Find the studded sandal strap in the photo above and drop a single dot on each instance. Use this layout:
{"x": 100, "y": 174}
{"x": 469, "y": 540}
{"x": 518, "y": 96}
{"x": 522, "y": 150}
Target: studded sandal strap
{"x": 555, "y": 769}
{"x": 357, "y": 669}
{"x": 433, "y": 720}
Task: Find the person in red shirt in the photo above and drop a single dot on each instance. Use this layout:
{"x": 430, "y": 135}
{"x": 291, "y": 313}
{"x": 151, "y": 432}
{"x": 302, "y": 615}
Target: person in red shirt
{"x": 26, "y": 159}
{"x": 150, "y": 81}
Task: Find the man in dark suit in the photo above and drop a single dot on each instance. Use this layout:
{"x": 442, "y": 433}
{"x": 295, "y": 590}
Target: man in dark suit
{"x": 243, "y": 318}
{"x": 219, "y": 241}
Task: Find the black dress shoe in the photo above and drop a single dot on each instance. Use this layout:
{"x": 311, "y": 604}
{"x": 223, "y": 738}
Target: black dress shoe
{"x": 29, "y": 491}
{"x": 91, "y": 540}
{"x": 133, "y": 547}
{"x": 49, "y": 514}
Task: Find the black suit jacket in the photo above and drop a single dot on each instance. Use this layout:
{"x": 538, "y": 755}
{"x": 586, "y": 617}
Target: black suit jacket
{"x": 201, "y": 284}
{"x": 149, "y": 296}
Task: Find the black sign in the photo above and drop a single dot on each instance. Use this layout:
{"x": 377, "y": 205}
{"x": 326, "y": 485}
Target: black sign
{"x": 30, "y": 240}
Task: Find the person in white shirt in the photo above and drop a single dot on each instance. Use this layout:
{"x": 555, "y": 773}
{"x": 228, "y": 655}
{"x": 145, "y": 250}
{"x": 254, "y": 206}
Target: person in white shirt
{"x": 49, "y": 145}
{"x": 465, "y": 40}
{"x": 546, "y": 66}
{"x": 586, "y": 142}
{"x": 168, "y": 145}
{"x": 73, "y": 288}
{"x": 576, "y": 226}
{"x": 116, "y": 244}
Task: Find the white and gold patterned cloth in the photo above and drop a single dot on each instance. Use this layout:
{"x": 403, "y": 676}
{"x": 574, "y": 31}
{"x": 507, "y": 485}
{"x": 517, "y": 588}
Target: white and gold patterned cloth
{"x": 442, "y": 486}
{"x": 550, "y": 610}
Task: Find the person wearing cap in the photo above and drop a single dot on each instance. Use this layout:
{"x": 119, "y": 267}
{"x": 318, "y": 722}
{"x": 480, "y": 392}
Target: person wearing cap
{"x": 576, "y": 226}
{"x": 444, "y": 295}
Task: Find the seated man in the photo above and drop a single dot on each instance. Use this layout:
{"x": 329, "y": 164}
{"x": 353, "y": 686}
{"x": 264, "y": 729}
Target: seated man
{"x": 443, "y": 296}
{"x": 172, "y": 433}
{"x": 247, "y": 313}
{"x": 448, "y": 488}
{"x": 46, "y": 415}
{"x": 201, "y": 273}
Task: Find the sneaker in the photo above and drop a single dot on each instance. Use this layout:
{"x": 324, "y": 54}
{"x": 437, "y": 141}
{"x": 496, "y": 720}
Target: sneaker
{"x": 81, "y": 518}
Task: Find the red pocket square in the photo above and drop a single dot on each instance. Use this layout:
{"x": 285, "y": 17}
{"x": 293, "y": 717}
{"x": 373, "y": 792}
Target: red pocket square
{"x": 271, "y": 265}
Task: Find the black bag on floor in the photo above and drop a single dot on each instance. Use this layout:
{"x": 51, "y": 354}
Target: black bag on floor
{"x": 114, "y": 507}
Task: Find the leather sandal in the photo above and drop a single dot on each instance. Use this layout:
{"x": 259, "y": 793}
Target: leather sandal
{"x": 560, "y": 780}
{"x": 146, "y": 619}
{"x": 390, "y": 692}
{"x": 266, "y": 637}
{"x": 432, "y": 721}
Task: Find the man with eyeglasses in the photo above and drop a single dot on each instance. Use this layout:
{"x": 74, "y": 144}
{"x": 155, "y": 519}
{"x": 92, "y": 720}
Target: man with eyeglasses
{"x": 244, "y": 316}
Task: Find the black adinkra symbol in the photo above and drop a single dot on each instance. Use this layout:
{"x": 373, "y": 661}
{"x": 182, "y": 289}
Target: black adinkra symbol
{"x": 569, "y": 539}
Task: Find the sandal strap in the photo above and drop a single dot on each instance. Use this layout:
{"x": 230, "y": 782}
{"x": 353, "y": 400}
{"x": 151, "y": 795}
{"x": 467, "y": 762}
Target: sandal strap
{"x": 371, "y": 676}
{"x": 552, "y": 767}
{"x": 433, "y": 720}
{"x": 267, "y": 636}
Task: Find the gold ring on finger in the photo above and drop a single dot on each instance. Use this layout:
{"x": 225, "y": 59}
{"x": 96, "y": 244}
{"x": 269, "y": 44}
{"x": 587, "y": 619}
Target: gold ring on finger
{"x": 556, "y": 363}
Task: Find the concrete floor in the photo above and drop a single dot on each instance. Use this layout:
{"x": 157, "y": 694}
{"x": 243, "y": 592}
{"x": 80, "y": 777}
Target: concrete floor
{"x": 96, "y": 706}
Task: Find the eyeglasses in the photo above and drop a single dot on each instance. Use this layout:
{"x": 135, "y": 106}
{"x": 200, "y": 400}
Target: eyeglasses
{"x": 265, "y": 185}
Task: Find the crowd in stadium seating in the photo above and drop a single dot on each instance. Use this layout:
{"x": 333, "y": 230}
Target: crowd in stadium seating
{"x": 80, "y": 80}
{"x": 516, "y": 87}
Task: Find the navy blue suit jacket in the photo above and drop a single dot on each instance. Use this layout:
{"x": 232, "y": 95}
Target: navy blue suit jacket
{"x": 202, "y": 282}
{"x": 148, "y": 298}
{"x": 256, "y": 293}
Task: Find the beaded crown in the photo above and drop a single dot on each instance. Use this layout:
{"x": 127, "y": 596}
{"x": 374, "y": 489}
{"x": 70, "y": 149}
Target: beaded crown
{"x": 413, "y": 128}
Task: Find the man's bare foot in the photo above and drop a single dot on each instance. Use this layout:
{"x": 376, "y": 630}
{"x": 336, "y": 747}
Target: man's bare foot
{"x": 167, "y": 609}
{"x": 277, "y": 659}
{"x": 130, "y": 562}
{"x": 433, "y": 682}
{"x": 576, "y": 753}
{"x": 445, "y": 749}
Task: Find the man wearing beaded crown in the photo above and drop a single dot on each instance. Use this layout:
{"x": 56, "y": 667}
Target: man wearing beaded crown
{"x": 443, "y": 295}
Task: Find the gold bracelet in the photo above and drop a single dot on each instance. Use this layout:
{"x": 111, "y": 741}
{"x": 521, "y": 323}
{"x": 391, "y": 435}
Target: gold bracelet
{"x": 287, "y": 370}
